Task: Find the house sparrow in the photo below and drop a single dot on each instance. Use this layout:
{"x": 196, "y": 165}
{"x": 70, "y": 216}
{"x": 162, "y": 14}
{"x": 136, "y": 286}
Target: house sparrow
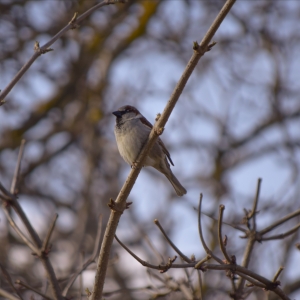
{"x": 132, "y": 130}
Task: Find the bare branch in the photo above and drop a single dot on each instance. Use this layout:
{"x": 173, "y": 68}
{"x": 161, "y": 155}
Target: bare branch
{"x": 12, "y": 223}
{"x": 185, "y": 258}
{"x": 163, "y": 268}
{"x": 279, "y": 222}
{"x": 221, "y": 243}
{"x": 6, "y": 194}
{"x": 281, "y": 235}
{"x": 36, "y": 245}
{"x": 226, "y": 223}
{"x": 45, "y": 48}
{"x": 48, "y": 236}
{"x": 207, "y": 250}
{"x": 7, "y": 295}
{"x": 14, "y": 187}
{"x": 89, "y": 261}
{"x": 200, "y": 285}
{"x": 255, "y": 202}
{"x": 277, "y": 274}
{"x": 32, "y": 289}
{"x": 9, "y": 280}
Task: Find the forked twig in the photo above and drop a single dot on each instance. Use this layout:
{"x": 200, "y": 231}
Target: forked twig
{"x": 160, "y": 267}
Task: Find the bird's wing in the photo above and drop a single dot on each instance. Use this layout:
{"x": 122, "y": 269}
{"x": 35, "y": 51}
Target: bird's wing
{"x": 160, "y": 142}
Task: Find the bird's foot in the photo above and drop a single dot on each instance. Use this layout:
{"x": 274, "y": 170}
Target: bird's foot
{"x": 134, "y": 165}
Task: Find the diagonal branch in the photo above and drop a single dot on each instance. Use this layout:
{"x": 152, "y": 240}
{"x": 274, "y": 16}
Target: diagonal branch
{"x": 14, "y": 184}
{"x": 7, "y": 295}
{"x": 162, "y": 268}
{"x": 255, "y": 202}
{"x": 33, "y": 289}
{"x": 279, "y": 222}
{"x": 184, "y": 257}
{"x": 199, "y": 51}
{"x": 9, "y": 280}
{"x": 281, "y": 235}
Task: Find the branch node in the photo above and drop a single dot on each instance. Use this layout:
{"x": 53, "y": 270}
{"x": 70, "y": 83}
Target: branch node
{"x": 39, "y": 50}
{"x": 116, "y": 207}
{"x": 88, "y": 293}
{"x": 210, "y": 46}
{"x": 128, "y": 205}
{"x": 157, "y": 117}
{"x": 73, "y": 21}
{"x": 201, "y": 262}
{"x": 195, "y": 46}
{"x": 277, "y": 275}
{"x": 159, "y": 131}
{"x": 168, "y": 265}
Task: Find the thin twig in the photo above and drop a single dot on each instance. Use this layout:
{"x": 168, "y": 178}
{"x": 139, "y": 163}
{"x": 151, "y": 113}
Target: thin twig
{"x": 36, "y": 244}
{"x": 235, "y": 226}
{"x": 33, "y": 289}
{"x": 80, "y": 277}
{"x": 143, "y": 233}
{"x": 7, "y": 295}
{"x": 14, "y": 184}
{"x": 7, "y": 195}
{"x": 200, "y": 284}
{"x": 89, "y": 261}
{"x": 185, "y": 291}
{"x": 44, "y": 259}
{"x": 147, "y": 288}
{"x": 189, "y": 281}
{"x": 255, "y": 203}
{"x": 156, "y": 267}
{"x": 185, "y": 258}
{"x": 277, "y": 274}
{"x": 281, "y": 235}
{"x": 252, "y": 237}
{"x": 9, "y": 280}
{"x": 12, "y": 223}
{"x": 207, "y": 250}
{"x": 48, "y": 236}
{"x": 279, "y": 222}
{"x": 221, "y": 243}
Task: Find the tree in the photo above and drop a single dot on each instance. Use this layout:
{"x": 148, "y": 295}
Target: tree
{"x": 236, "y": 121}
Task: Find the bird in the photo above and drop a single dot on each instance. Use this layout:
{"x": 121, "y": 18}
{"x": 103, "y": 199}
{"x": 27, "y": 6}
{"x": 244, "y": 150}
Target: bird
{"x": 131, "y": 131}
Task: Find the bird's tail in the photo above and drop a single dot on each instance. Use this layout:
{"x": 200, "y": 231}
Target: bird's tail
{"x": 179, "y": 189}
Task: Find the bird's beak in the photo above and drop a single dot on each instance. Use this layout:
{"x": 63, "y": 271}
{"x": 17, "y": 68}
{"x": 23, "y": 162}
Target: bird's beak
{"x": 118, "y": 113}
